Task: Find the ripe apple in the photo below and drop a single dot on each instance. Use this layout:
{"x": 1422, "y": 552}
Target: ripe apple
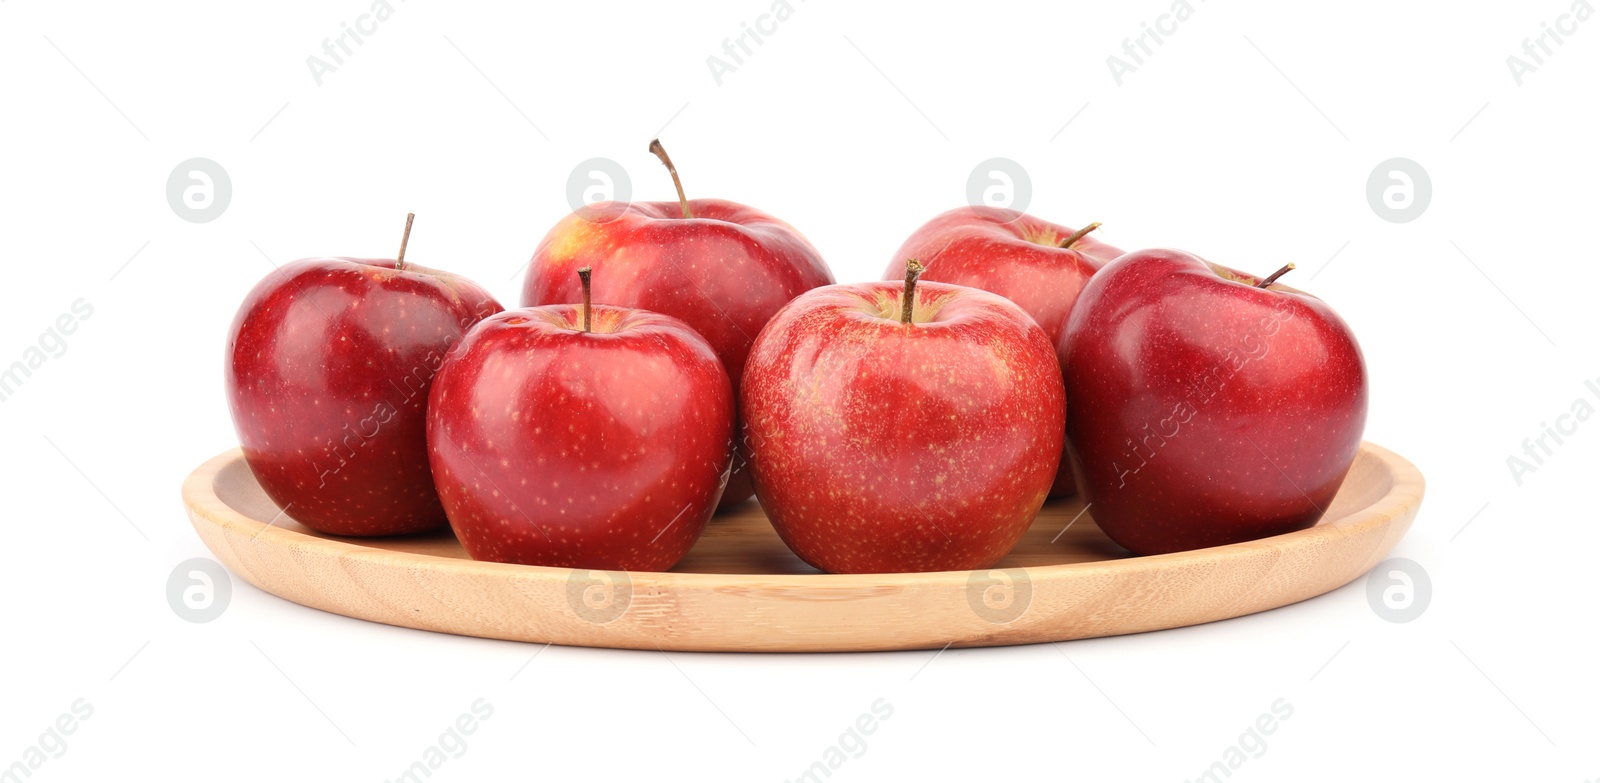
{"x": 902, "y": 427}
{"x": 328, "y": 368}
{"x": 1209, "y": 406}
{"x": 721, "y": 267}
{"x": 1037, "y": 264}
{"x": 581, "y": 437}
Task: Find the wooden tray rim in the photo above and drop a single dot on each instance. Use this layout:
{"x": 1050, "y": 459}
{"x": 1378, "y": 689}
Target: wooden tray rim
{"x": 1401, "y": 499}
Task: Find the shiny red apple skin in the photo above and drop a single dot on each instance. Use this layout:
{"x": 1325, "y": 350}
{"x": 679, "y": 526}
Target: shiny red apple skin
{"x": 609, "y": 449}
{"x": 328, "y": 369}
{"x": 1010, "y": 253}
{"x": 1206, "y": 411}
{"x": 1015, "y": 255}
{"x": 724, "y": 272}
{"x": 882, "y": 447}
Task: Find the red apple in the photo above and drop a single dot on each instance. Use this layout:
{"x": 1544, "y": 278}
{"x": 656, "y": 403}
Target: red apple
{"x": 328, "y": 369}
{"x": 721, "y": 267}
{"x": 561, "y": 439}
{"x": 1037, "y": 264}
{"x": 886, "y": 437}
{"x": 1208, "y": 406}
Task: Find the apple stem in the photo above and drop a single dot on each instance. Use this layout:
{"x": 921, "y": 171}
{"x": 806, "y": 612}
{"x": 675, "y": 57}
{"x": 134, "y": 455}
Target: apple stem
{"x": 405, "y": 239}
{"x": 909, "y": 298}
{"x": 661, "y": 152}
{"x": 1077, "y": 235}
{"x": 583, "y": 275}
{"x": 1275, "y": 275}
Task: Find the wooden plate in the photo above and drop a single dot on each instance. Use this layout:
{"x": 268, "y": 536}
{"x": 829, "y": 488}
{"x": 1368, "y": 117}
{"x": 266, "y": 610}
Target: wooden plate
{"x": 741, "y": 589}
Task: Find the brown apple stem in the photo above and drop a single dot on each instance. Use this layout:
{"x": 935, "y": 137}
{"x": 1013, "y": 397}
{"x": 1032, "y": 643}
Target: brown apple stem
{"x": 909, "y": 298}
{"x": 1275, "y": 275}
{"x": 405, "y": 239}
{"x": 583, "y": 275}
{"x": 661, "y": 152}
{"x": 1077, "y": 235}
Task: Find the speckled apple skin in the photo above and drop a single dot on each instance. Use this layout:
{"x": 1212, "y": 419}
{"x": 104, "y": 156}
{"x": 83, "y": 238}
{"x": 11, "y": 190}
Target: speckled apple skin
{"x": 609, "y": 449}
{"x": 1015, "y": 255}
{"x": 885, "y": 447}
{"x": 724, "y": 272}
{"x": 1206, "y": 411}
{"x": 328, "y": 368}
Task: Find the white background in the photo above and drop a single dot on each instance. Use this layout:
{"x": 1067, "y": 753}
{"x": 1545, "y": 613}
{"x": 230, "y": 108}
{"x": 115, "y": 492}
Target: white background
{"x": 1247, "y": 137}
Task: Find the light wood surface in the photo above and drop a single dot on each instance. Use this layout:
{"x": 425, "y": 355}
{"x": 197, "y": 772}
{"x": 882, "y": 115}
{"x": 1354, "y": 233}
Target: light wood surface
{"x": 741, "y": 589}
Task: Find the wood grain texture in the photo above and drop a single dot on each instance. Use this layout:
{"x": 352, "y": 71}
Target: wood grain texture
{"x": 740, "y": 589}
